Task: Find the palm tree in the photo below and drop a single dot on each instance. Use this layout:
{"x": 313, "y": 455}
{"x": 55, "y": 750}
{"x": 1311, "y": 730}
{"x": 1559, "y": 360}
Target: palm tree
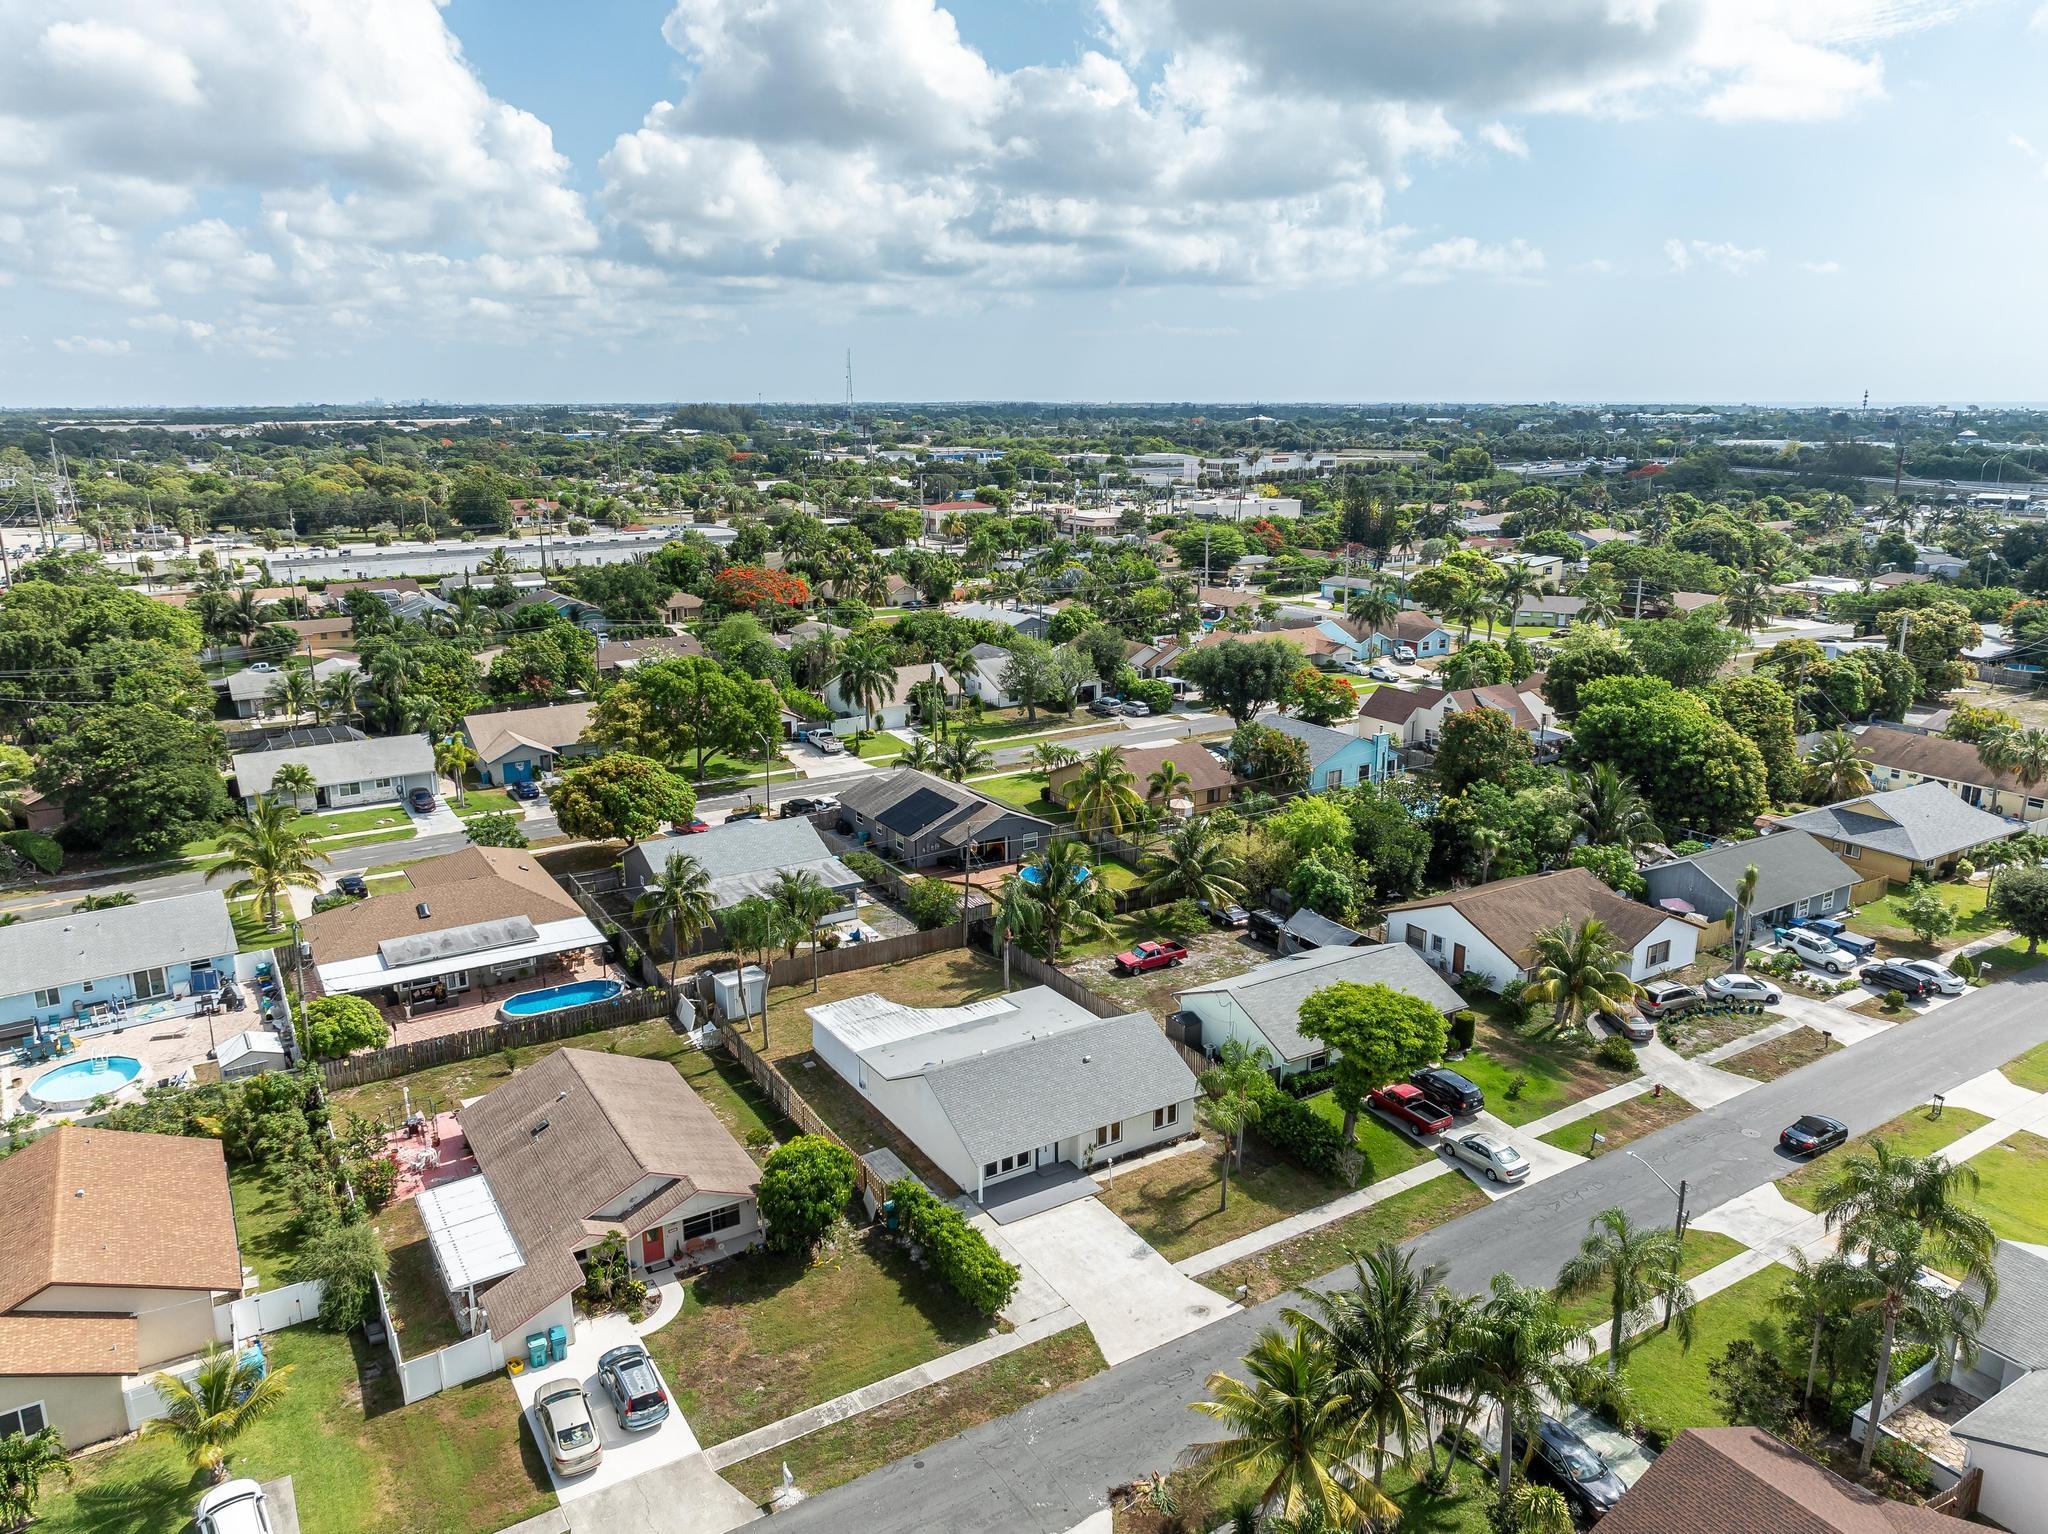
{"x": 1237, "y": 1086}
{"x": 294, "y": 784}
{"x": 866, "y": 675}
{"x": 1467, "y": 607}
{"x": 679, "y": 897}
{"x": 1599, "y": 602}
{"x": 341, "y": 693}
{"x": 1103, "y": 794}
{"x": 1049, "y": 757}
{"x": 1017, "y": 912}
{"x": 920, "y": 752}
{"x": 1745, "y": 901}
{"x": 2021, "y": 752}
{"x": 1749, "y": 601}
{"x": 1818, "y": 1299}
{"x": 1516, "y": 585}
{"x": 1610, "y": 809}
{"x": 753, "y": 927}
{"x": 960, "y": 756}
{"x": 1165, "y": 780}
{"x": 453, "y": 757}
{"x": 1579, "y": 971}
{"x": 1376, "y": 607}
{"x": 1378, "y": 1335}
{"x": 1292, "y": 1432}
{"x": 1638, "y": 1266}
{"x": 1899, "y": 1215}
{"x": 1069, "y": 897}
{"x": 296, "y": 691}
{"x": 1195, "y": 863}
{"x": 805, "y": 902}
{"x": 227, "y": 1396}
{"x": 1835, "y": 769}
{"x": 1517, "y": 1350}
{"x": 25, "y": 1458}
{"x": 107, "y": 902}
{"x": 273, "y": 855}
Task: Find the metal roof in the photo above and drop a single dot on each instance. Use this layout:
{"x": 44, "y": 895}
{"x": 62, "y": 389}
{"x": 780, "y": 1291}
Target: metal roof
{"x": 471, "y": 1242}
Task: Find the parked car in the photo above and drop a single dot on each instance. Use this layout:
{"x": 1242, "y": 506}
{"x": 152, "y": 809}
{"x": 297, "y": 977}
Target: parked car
{"x": 1137, "y": 710}
{"x": 1150, "y": 956}
{"x": 745, "y": 812}
{"x": 825, "y": 741}
{"x": 1743, "y": 988}
{"x": 1835, "y": 928}
{"x": 1631, "y": 1025}
{"x": 1945, "y": 981}
{"x": 796, "y": 808}
{"x": 1665, "y": 998}
{"x": 1812, "y": 1133}
{"x": 262, "y": 667}
{"x": 1573, "y": 1466}
{"x": 567, "y": 1428}
{"x": 1406, "y": 1106}
{"x": 523, "y": 790}
{"x": 1265, "y": 927}
{"x": 421, "y": 799}
{"x": 1821, "y": 952}
{"x": 1891, "y": 976}
{"x": 1105, "y": 708}
{"x": 233, "y": 1507}
{"x": 1500, "y": 1161}
{"x": 1405, "y": 654}
{"x": 691, "y": 827}
{"x": 1448, "y": 1089}
{"x": 634, "y": 1384}
{"x": 1225, "y": 914}
{"x": 1382, "y": 673}
{"x": 353, "y": 884}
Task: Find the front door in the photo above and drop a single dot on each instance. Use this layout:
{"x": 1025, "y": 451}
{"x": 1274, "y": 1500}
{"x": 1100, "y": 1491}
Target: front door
{"x": 1457, "y": 958}
{"x": 650, "y": 1247}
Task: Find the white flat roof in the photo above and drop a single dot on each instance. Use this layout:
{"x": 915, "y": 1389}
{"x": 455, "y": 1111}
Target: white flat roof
{"x": 895, "y": 1041}
{"x": 367, "y": 972}
{"x": 472, "y": 1243}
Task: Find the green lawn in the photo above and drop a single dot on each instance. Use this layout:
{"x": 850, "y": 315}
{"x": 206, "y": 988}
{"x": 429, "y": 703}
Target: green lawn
{"x": 360, "y": 1462}
{"x": 1119, "y": 875}
{"x": 251, "y": 933}
{"x": 1401, "y": 1218}
{"x": 1007, "y": 729}
{"x": 486, "y": 801}
{"x": 1881, "y": 918}
{"x": 263, "y": 1218}
{"x": 1020, "y": 790}
{"x": 1620, "y": 1124}
{"x": 1552, "y": 1073}
{"x": 1671, "y": 1384}
{"x": 1704, "y": 1249}
{"x": 381, "y": 817}
{"x": 1912, "y": 1134}
{"x": 2029, "y": 1070}
{"x": 420, "y": 1312}
{"x": 2012, "y": 1188}
{"x": 1385, "y": 1148}
{"x": 880, "y": 746}
{"x": 2006, "y": 960}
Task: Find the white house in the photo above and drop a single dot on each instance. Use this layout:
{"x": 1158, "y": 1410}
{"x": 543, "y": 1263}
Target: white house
{"x": 894, "y": 711}
{"x": 346, "y": 773}
{"x": 987, "y": 666}
{"x": 1017, "y": 1084}
{"x": 1490, "y": 930}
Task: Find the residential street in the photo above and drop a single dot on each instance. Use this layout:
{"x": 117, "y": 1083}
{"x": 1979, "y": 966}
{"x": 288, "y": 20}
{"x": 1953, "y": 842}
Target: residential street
{"x": 1047, "y": 1468}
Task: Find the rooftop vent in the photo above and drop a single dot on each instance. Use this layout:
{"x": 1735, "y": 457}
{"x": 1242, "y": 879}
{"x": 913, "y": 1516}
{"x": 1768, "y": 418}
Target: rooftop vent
{"x": 423, "y": 910}
{"x": 535, "y": 1132}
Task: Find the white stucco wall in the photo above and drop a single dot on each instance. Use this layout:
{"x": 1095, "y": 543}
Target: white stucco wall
{"x": 2015, "y": 1494}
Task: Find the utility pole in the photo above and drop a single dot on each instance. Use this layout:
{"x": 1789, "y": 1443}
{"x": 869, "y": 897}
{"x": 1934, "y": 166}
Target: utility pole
{"x": 1905, "y": 618}
{"x": 1898, "y": 464}
{"x": 1639, "y": 597}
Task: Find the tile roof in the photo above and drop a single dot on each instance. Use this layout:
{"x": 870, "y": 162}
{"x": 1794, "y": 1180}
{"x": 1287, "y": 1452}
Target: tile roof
{"x": 1790, "y": 867}
{"x": 88, "y": 945}
{"x": 106, "y": 1208}
{"x": 549, "y": 728}
{"x": 1510, "y": 912}
{"x": 459, "y": 889}
{"x": 346, "y": 761}
{"x": 50, "y": 1342}
{"x": 1741, "y": 1480}
{"x": 1920, "y": 823}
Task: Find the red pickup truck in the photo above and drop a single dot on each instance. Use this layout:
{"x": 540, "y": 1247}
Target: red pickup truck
{"x": 1149, "y": 956}
{"x": 1407, "y": 1106}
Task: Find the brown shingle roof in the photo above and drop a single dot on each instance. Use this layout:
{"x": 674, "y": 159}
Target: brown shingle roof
{"x": 1741, "y": 1480}
{"x": 548, "y": 728}
{"x": 1203, "y": 769}
{"x": 59, "y": 1342}
{"x": 611, "y": 1120}
{"x": 1394, "y": 705}
{"x": 460, "y": 889}
{"x": 102, "y": 1208}
{"x": 1512, "y": 911}
{"x": 1931, "y": 756}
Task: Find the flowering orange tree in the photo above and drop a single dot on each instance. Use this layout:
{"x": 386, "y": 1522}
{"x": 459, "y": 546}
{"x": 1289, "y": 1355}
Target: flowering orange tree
{"x": 753, "y": 586}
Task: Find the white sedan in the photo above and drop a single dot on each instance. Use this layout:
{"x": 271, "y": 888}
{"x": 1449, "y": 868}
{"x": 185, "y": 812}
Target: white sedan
{"x": 1743, "y": 988}
{"x": 1500, "y": 1161}
{"x": 1944, "y": 980}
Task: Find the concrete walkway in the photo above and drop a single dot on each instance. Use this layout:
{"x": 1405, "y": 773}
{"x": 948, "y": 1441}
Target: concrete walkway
{"x": 1695, "y": 1080}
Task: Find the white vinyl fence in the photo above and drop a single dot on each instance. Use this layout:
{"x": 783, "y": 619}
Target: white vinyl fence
{"x": 268, "y": 1310}
{"x": 457, "y": 1364}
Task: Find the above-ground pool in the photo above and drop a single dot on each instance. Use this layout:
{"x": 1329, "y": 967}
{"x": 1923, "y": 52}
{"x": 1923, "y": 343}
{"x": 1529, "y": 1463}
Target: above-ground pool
{"x": 577, "y": 993}
{"x": 69, "y": 1086}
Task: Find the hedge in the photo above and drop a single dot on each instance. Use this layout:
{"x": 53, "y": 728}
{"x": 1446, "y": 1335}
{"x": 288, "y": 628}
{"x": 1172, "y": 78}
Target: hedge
{"x": 1292, "y": 1127}
{"x": 962, "y": 1256}
{"x": 35, "y": 848}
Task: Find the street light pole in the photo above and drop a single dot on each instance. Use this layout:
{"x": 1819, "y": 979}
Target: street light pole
{"x": 1678, "y": 1226}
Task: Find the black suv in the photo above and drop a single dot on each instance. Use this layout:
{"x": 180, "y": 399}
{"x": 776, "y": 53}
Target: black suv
{"x": 1573, "y": 1466}
{"x": 1891, "y": 977}
{"x": 1265, "y": 927}
{"x": 1448, "y": 1090}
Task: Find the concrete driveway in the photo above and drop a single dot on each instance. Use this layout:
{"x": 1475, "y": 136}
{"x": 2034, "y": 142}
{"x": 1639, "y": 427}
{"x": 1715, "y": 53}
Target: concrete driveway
{"x": 1132, "y": 1298}
{"x": 1544, "y": 1160}
{"x": 625, "y": 1454}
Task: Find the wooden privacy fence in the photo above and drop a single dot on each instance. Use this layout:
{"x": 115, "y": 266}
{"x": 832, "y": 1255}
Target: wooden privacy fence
{"x": 1960, "y": 1500}
{"x": 1035, "y": 971}
{"x": 852, "y": 956}
{"x": 543, "y": 1028}
{"x": 791, "y": 1105}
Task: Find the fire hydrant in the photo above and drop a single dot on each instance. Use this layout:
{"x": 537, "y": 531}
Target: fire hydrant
{"x": 1657, "y": 1089}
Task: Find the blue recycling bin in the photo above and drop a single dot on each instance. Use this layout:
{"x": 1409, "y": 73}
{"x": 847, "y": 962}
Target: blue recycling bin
{"x": 558, "y": 1343}
{"x": 537, "y": 1351}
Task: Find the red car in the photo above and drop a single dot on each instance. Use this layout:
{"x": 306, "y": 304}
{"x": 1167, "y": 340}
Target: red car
{"x": 1148, "y": 956}
{"x": 691, "y": 827}
{"x": 1406, "y": 1106}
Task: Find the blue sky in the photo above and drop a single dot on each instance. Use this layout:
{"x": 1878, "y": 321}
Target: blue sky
{"x": 1118, "y": 199}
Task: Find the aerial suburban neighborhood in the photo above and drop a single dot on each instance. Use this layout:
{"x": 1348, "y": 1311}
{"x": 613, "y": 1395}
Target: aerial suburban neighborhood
{"x": 1295, "y": 869}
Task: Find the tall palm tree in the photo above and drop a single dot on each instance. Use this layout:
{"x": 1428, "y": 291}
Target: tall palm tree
{"x": 1835, "y": 768}
{"x": 1898, "y": 1215}
{"x": 453, "y": 757}
{"x": 1517, "y": 1350}
{"x": 1579, "y": 971}
{"x": 1443, "y": 1324}
{"x": 341, "y": 693}
{"x": 1104, "y": 795}
{"x": 271, "y": 853}
{"x": 960, "y": 756}
{"x": 1070, "y": 898}
{"x": 1165, "y": 780}
{"x": 1016, "y": 918}
{"x": 1195, "y": 863}
{"x": 1236, "y": 1087}
{"x": 680, "y": 898}
{"x": 296, "y": 691}
{"x": 1610, "y": 809}
{"x": 1600, "y": 603}
{"x": 1819, "y": 1299}
{"x": 1466, "y": 607}
{"x": 294, "y": 784}
{"x": 1292, "y": 1432}
{"x": 753, "y": 927}
{"x": 1745, "y": 902}
{"x": 2021, "y": 752}
{"x": 805, "y": 902}
{"x": 227, "y": 1396}
{"x": 866, "y": 673}
{"x": 1376, "y": 607}
{"x": 1749, "y": 601}
{"x": 1638, "y": 1267}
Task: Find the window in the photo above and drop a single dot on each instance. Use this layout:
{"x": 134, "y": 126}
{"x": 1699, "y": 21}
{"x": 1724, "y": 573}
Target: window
{"x": 1109, "y": 1134}
{"x": 149, "y": 984}
{"x": 1827, "y": 901}
{"x": 1413, "y": 935}
{"x": 50, "y": 998}
{"x": 1334, "y": 778}
{"x": 383, "y": 782}
{"x": 1164, "y": 1118}
{"x": 2035, "y": 804}
{"x": 1851, "y": 853}
{"x": 1660, "y": 953}
{"x": 26, "y": 1420}
{"x": 1020, "y": 1162}
{"x": 700, "y": 1225}
{"x": 1436, "y": 943}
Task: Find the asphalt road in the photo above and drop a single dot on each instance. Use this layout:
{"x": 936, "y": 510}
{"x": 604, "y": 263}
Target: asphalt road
{"x": 1046, "y": 1468}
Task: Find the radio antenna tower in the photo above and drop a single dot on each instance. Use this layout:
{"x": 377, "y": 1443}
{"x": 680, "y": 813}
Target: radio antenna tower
{"x": 849, "y": 381}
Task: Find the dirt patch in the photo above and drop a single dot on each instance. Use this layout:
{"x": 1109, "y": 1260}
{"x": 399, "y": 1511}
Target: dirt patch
{"x": 1691, "y": 1034}
{"x": 1782, "y": 1055}
{"x": 1212, "y": 956}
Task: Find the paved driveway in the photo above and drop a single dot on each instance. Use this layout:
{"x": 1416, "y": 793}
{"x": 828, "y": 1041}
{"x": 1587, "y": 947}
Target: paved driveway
{"x": 625, "y": 1454}
{"x": 1132, "y": 1298}
{"x": 1544, "y": 1160}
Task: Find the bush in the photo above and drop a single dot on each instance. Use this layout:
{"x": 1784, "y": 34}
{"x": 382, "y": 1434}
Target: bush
{"x": 960, "y": 1254}
{"x": 931, "y": 903}
{"x": 496, "y": 829}
{"x": 339, "y": 1025}
{"x": 1965, "y": 870}
{"x": 866, "y": 864}
{"x": 1153, "y": 693}
{"x": 348, "y": 1259}
{"x": 1181, "y": 919}
{"x": 1517, "y": 1085}
{"x": 804, "y": 1188}
{"x": 1751, "y": 1385}
{"x": 1297, "y": 1130}
{"x": 1464, "y": 1029}
{"x": 1903, "y": 1462}
{"x": 1616, "y": 1053}
{"x": 1309, "y": 1083}
{"x": 331, "y": 900}
{"x": 41, "y": 852}
{"x": 375, "y": 1180}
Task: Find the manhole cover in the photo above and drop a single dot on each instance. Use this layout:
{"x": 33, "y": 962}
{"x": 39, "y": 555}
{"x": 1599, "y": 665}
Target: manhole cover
{"x": 917, "y": 1464}
{"x": 1752, "y": 1134}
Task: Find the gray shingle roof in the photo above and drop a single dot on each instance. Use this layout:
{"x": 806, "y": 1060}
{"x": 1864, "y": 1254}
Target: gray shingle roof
{"x": 1322, "y": 743}
{"x": 90, "y": 945}
{"x": 1271, "y": 995}
{"x": 2016, "y": 1325}
{"x": 744, "y": 858}
{"x": 1047, "y": 1089}
{"x": 1790, "y": 866}
{"x": 346, "y": 761}
{"x": 2015, "y": 1418}
{"x": 1920, "y": 823}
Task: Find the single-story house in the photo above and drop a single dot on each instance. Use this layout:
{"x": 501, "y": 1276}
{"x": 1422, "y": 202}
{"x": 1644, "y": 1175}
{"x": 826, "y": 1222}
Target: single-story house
{"x": 2007, "y": 1436}
{"x": 321, "y": 636}
{"x": 1902, "y": 758}
{"x": 1030, "y": 622}
{"x": 346, "y": 773}
{"x": 1414, "y": 628}
{"x": 743, "y": 859}
{"x": 66, "y": 968}
{"x": 1210, "y": 783}
{"x": 574, "y": 1148}
{"x": 985, "y": 676}
{"x": 1261, "y": 1008}
{"x": 583, "y": 614}
{"x": 1903, "y": 833}
{"x": 519, "y": 745}
{"x": 1590, "y": 538}
{"x": 252, "y": 693}
{"x": 1552, "y": 610}
{"x": 479, "y": 917}
{"x": 919, "y": 820}
{"x": 1013, "y": 1085}
{"x": 1337, "y": 758}
{"x": 895, "y": 710}
{"x": 1529, "y": 710}
{"x": 118, "y": 1248}
{"x": 681, "y": 606}
{"x": 1490, "y": 929}
{"x": 616, "y": 655}
{"x": 1796, "y": 877}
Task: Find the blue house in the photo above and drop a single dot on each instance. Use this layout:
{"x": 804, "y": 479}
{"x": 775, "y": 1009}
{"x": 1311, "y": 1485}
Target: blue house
{"x": 523, "y": 745}
{"x": 89, "y": 967}
{"x": 1337, "y": 759}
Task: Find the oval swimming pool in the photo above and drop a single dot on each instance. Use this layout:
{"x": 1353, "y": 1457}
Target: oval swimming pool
{"x": 577, "y": 993}
{"x": 82, "y": 1080}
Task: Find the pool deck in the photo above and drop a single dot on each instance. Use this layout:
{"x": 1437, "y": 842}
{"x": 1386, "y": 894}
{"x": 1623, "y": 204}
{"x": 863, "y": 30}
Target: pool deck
{"x": 479, "y": 1008}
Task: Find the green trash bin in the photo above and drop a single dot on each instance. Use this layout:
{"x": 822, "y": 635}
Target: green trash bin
{"x": 558, "y": 1343}
{"x": 537, "y": 1351}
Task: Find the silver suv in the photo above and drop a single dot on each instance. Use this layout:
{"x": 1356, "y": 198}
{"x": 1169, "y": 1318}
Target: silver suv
{"x": 1665, "y": 998}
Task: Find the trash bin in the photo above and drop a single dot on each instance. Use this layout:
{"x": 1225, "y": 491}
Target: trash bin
{"x": 558, "y": 1343}
{"x": 537, "y": 1351}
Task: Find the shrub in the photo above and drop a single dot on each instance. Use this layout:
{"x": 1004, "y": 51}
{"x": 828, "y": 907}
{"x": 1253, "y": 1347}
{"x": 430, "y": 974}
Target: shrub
{"x": 960, "y": 1254}
{"x": 1751, "y": 1385}
{"x": 1308, "y": 1083}
{"x": 1153, "y": 693}
{"x": 375, "y": 1180}
{"x": 348, "y": 1259}
{"x": 1903, "y": 1462}
{"x": 804, "y": 1188}
{"x": 34, "y": 848}
{"x": 496, "y": 829}
{"x": 1616, "y": 1053}
{"x": 339, "y": 1025}
{"x": 866, "y": 864}
{"x": 1965, "y": 870}
{"x": 1895, "y": 1001}
{"x": 1517, "y": 1085}
{"x": 931, "y": 903}
{"x": 1181, "y": 919}
{"x": 331, "y": 900}
{"x": 1464, "y": 1029}
{"x": 1297, "y": 1130}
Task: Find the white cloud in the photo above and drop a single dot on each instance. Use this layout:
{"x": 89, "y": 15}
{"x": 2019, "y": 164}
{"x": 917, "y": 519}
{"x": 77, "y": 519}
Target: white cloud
{"x": 2038, "y": 22}
{"x": 1465, "y": 256}
{"x": 92, "y": 346}
{"x": 1722, "y": 255}
{"x": 1823, "y": 268}
{"x": 1506, "y": 139}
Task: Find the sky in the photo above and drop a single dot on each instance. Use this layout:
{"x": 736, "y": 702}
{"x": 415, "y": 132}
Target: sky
{"x": 274, "y": 201}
